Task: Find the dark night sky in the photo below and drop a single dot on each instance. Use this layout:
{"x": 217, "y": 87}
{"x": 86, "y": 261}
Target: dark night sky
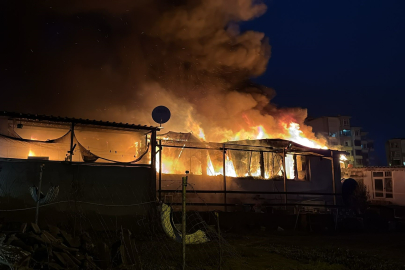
{"x": 339, "y": 57}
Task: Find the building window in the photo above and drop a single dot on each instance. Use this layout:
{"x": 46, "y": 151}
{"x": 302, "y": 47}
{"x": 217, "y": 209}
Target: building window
{"x": 394, "y": 145}
{"x": 378, "y": 174}
{"x": 357, "y": 143}
{"x": 396, "y": 163}
{"x": 383, "y": 187}
{"x": 358, "y": 152}
{"x": 395, "y": 154}
{"x": 346, "y": 132}
{"x": 346, "y": 143}
{"x": 333, "y": 134}
{"x": 345, "y": 122}
{"x": 357, "y": 133}
{"x": 359, "y": 161}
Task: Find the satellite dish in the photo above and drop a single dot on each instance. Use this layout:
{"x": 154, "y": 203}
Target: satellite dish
{"x": 161, "y": 114}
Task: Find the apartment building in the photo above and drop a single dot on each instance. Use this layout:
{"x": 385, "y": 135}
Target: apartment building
{"x": 395, "y": 150}
{"x": 341, "y": 135}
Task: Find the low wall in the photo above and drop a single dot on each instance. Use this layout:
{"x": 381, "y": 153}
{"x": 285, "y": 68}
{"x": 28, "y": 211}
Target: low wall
{"x": 110, "y": 192}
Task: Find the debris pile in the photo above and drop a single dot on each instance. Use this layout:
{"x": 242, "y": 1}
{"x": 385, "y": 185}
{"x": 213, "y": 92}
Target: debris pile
{"x": 33, "y": 248}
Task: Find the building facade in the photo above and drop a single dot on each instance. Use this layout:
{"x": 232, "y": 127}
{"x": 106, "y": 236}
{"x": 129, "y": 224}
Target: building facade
{"x": 395, "y": 150}
{"x": 341, "y": 135}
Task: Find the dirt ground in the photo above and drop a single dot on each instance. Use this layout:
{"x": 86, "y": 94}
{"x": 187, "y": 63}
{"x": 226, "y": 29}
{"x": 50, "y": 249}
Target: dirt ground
{"x": 291, "y": 250}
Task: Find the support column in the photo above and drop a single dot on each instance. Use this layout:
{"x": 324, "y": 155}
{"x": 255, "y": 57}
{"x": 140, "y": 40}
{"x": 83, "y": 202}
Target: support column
{"x": 153, "y": 160}
{"x": 333, "y": 178}
{"x": 224, "y": 173}
{"x": 160, "y": 170}
{"x": 262, "y": 169}
{"x": 285, "y": 179}
{"x": 72, "y": 134}
{"x": 183, "y": 219}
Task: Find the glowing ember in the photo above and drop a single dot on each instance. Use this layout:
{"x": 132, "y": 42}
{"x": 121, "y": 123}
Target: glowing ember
{"x": 289, "y": 164}
{"x": 297, "y": 136}
{"x": 256, "y": 173}
{"x": 201, "y": 134}
{"x": 261, "y": 133}
{"x": 166, "y": 165}
{"x": 343, "y": 158}
{"x": 31, "y": 153}
{"x": 229, "y": 168}
{"x": 210, "y": 167}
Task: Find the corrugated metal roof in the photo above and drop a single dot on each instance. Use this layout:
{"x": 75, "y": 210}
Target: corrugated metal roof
{"x": 58, "y": 119}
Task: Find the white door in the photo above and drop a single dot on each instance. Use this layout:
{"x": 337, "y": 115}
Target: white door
{"x": 383, "y": 188}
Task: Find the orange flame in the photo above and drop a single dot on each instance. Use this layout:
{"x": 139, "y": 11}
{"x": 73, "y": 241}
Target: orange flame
{"x": 288, "y": 131}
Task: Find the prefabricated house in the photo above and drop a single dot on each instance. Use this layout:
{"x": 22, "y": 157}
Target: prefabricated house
{"x": 229, "y": 176}
{"x": 385, "y": 185}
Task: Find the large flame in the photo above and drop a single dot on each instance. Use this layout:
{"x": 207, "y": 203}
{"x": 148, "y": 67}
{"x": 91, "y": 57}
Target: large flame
{"x": 31, "y": 153}
{"x": 288, "y": 131}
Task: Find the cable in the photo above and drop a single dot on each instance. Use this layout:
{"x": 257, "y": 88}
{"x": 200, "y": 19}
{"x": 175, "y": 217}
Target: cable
{"x": 98, "y": 204}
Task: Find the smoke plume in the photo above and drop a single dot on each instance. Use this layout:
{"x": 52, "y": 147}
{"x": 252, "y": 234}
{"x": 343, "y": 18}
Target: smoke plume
{"x": 117, "y": 60}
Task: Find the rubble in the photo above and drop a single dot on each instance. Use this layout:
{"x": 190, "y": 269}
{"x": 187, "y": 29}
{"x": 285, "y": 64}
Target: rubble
{"x": 36, "y": 248}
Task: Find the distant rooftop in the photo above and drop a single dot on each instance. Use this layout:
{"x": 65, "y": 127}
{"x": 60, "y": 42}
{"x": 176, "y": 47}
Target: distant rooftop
{"x": 331, "y": 116}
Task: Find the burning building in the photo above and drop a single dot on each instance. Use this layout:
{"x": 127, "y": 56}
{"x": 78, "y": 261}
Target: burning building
{"x": 236, "y": 173}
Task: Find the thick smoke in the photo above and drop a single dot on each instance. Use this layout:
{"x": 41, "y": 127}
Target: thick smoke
{"x": 117, "y": 60}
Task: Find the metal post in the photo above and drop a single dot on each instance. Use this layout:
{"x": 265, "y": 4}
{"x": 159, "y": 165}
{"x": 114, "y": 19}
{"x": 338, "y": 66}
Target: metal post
{"x": 262, "y": 170}
{"x": 219, "y": 234}
{"x": 250, "y": 163}
{"x": 39, "y": 194}
{"x": 333, "y": 178}
{"x": 285, "y": 179}
{"x": 160, "y": 170}
{"x": 72, "y": 134}
{"x": 183, "y": 220}
{"x": 224, "y": 173}
{"x": 153, "y": 160}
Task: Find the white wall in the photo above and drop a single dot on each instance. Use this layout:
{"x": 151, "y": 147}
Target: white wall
{"x": 398, "y": 178}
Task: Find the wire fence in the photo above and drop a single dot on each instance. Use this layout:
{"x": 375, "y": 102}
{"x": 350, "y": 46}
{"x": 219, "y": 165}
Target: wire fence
{"x": 100, "y": 218}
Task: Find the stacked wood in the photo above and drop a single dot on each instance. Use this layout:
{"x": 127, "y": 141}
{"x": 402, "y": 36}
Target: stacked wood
{"x": 35, "y": 248}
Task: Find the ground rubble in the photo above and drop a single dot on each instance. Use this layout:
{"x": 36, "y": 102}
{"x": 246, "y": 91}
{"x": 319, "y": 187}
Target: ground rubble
{"x": 34, "y": 248}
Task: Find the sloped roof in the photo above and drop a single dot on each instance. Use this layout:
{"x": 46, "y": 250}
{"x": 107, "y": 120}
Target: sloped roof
{"x": 80, "y": 121}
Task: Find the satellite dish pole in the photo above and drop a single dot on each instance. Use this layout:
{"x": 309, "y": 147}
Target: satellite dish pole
{"x": 160, "y": 115}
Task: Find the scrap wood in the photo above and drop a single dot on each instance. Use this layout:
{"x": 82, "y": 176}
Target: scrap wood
{"x": 38, "y": 248}
{"x": 73, "y": 242}
{"x": 13, "y": 256}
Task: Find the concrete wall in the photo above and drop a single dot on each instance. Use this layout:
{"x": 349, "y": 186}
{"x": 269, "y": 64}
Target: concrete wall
{"x": 84, "y": 190}
{"x": 319, "y": 125}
